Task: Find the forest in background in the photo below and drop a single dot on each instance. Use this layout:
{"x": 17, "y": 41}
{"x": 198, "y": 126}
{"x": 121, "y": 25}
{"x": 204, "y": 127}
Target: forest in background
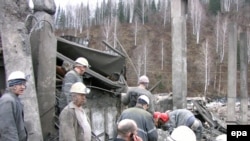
{"x": 143, "y": 29}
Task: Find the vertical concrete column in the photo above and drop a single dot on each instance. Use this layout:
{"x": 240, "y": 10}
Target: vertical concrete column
{"x": 98, "y": 122}
{"x": 110, "y": 118}
{"x": 179, "y": 70}
{"x": 232, "y": 72}
{"x": 44, "y": 48}
{"x": 243, "y": 78}
{"x": 17, "y": 56}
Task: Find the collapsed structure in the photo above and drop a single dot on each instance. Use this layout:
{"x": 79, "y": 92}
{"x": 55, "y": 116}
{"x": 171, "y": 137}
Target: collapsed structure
{"x": 42, "y": 52}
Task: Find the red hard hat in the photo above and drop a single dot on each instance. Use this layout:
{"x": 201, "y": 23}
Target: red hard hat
{"x": 157, "y": 114}
{"x": 164, "y": 117}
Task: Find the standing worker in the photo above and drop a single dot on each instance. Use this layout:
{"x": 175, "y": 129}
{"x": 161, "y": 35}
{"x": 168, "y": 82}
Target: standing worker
{"x": 133, "y": 93}
{"x": 144, "y": 120}
{"x": 74, "y": 123}
{"x": 71, "y": 77}
{"x": 12, "y": 126}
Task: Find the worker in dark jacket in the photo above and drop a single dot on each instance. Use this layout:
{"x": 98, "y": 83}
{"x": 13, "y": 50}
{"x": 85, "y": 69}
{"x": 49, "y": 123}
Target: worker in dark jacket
{"x": 144, "y": 120}
{"x": 173, "y": 119}
{"x": 71, "y": 77}
{"x": 12, "y": 126}
{"x": 133, "y": 93}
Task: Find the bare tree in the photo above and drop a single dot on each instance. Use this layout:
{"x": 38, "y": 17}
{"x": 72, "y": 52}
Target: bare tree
{"x": 217, "y": 32}
{"x": 145, "y": 56}
{"x": 196, "y": 14}
{"x": 141, "y": 10}
{"x": 136, "y": 29}
{"x": 221, "y": 49}
{"x": 164, "y": 11}
{"x": 162, "y": 54}
{"x": 237, "y": 5}
{"x": 138, "y": 56}
{"x": 139, "y": 64}
{"x": 226, "y": 5}
{"x": 88, "y": 21}
{"x": 107, "y": 27}
{"x": 115, "y": 31}
{"x": 131, "y": 4}
{"x": 248, "y": 45}
{"x": 220, "y": 77}
{"x": 207, "y": 66}
{"x": 224, "y": 31}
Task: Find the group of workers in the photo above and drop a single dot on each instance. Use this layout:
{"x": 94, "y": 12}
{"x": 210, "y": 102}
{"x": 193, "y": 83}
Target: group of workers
{"x": 139, "y": 122}
{"x": 74, "y": 124}
{"x": 141, "y": 110}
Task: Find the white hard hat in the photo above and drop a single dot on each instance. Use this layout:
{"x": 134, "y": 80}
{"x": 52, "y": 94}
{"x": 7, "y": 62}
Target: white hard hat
{"x": 79, "y": 88}
{"x": 16, "y": 75}
{"x": 144, "y": 98}
{"x": 222, "y": 137}
{"x": 82, "y": 61}
{"x": 143, "y": 79}
{"x": 182, "y": 133}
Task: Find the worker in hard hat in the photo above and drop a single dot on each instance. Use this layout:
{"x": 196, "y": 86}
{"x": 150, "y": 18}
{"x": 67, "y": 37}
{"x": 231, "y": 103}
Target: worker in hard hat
{"x": 184, "y": 117}
{"x": 74, "y": 123}
{"x": 182, "y": 133}
{"x": 133, "y": 93}
{"x": 11, "y": 109}
{"x": 144, "y": 120}
{"x": 160, "y": 119}
{"x": 75, "y": 75}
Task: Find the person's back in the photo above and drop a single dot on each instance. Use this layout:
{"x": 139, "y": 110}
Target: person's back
{"x": 144, "y": 121}
{"x": 134, "y": 92}
{"x": 180, "y": 117}
{"x": 185, "y": 117}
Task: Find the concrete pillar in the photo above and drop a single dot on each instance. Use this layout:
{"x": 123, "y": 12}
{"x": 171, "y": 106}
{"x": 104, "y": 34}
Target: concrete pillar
{"x": 44, "y": 47}
{"x": 17, "y": 56}
{"x": 97, "y": 122}
{"x": 110, "y": 118}
{"x": 232, "y": 72}
{"x": 179, "y": 70}
{"x": 243, "y": 78}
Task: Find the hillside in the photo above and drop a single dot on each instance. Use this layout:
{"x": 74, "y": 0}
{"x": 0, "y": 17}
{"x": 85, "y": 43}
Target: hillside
{"x": 154, "y": 37}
